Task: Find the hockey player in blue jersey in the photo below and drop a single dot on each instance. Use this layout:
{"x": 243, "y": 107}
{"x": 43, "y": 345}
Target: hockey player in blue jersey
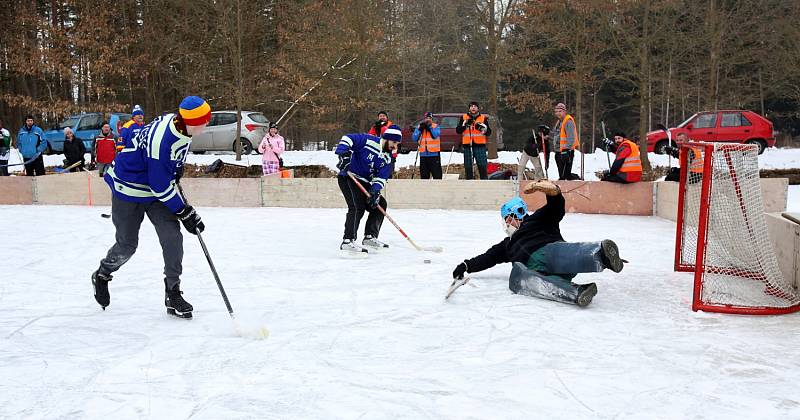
{"x": 143, "y": 182}
{"x": 367, "y": 157}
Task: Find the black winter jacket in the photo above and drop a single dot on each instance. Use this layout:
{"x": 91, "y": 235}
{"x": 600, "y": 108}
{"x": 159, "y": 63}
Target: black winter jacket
{"x": 74, "y": 150}
{"x": 537, "y": 230}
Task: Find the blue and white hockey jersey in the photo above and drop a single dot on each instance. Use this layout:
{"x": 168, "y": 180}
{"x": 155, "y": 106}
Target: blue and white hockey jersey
{"x": 146, "y": 171}
{"x": 369, "y": 163}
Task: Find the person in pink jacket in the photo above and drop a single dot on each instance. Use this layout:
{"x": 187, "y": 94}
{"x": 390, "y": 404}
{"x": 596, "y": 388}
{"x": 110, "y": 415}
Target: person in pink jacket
{"x": 271, "y": 148}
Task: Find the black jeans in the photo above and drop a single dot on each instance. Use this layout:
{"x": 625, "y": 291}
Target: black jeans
{"x": 127, "y": 217}
{"x": 35, "y": 168}
{"x": 564, "y": 164}
{"x": 356, "y": 206}
{"x": 430, "y": 166}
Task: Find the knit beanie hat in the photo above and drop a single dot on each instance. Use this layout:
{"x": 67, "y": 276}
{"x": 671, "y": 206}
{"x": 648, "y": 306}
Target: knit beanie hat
{"x": 195, "y": 111}
{"x": 561, "y": 106}
{"x": 137, "y": 110}
{"x": 392, "y": 133}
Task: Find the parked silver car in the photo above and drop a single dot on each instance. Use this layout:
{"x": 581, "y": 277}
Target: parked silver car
{"x": 221, "y": 132}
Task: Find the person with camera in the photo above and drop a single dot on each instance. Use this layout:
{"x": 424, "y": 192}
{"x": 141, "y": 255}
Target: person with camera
{"x": 427, "y": 135}
{"x": 378, "y": 128}
{"x": 475, "y": 131}
{"x": 530, "y": 152}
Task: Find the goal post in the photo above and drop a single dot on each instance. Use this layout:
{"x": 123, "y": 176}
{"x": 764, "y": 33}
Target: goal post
{"x": 721, "y": 233}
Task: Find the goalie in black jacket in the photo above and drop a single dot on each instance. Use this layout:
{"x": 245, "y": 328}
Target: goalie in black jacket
{"x": 544, "y": 264}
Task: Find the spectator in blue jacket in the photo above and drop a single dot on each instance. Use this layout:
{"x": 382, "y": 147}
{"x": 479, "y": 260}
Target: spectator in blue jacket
{"x": 430, "y": 146}
{"x": 32, "y": 144}
{"x": 368, "y": 158}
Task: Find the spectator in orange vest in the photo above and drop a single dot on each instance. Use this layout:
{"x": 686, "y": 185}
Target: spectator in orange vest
{"x": 427, "y": 135}
{"x": 104, "y": 150}
{"x": 695, "y": 157}
{"x": 627, "y": 167}
{"x": 565, "y": 141}
{"x": 475, "y": 131}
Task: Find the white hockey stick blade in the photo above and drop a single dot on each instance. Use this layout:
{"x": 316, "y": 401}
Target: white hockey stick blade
{"x": 432, "y": 248}
{"x": 250, "y": 329}
{"x": 455, "y": 285}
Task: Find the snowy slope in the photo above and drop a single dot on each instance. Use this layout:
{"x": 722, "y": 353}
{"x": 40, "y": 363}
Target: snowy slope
{"x": 369, "y": 339}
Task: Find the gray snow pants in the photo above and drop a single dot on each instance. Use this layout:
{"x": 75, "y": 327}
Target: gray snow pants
{"x": 127, "y": 217}
{"x": 551, "y": 268}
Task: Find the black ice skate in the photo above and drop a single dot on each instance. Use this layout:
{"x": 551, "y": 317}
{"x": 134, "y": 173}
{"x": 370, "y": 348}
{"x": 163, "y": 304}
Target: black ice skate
{"x": 100, "y": 284}
{"x": 610, "y": 256}
{"x": 373, "y": 243}
{"x": 585, "y": 294}
{"x": 176, "y": 305}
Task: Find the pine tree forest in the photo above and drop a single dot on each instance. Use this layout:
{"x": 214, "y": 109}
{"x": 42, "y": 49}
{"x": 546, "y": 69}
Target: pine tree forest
{"x": 333, "y": 64}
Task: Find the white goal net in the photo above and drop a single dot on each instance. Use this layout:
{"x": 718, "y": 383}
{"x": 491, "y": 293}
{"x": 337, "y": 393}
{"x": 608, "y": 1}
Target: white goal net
{"x": 722, "y": 233}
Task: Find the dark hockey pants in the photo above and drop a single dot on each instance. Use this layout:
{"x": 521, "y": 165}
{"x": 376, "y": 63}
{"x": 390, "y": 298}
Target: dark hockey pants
{"x": 430, "y": 166}
{"x": 356, "y": 206}
{"x": 127, "y": 217}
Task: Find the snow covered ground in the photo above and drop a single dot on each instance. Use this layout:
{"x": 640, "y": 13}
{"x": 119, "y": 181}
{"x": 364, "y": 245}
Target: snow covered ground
{"x": 370, "y": 338}
{"x": 771, "y": 159}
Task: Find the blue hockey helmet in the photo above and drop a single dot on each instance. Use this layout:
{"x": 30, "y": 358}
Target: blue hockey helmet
{"x": 515, "y": 207}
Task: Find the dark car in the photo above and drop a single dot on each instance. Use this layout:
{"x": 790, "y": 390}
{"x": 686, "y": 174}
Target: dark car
{"x": 450, "y": 140}
{"x": 86, "y": 127}
{"x": 733, "y": 126}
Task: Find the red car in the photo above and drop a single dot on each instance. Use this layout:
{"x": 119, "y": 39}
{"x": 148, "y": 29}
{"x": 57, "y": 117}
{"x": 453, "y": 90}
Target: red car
{"x": 450, "y": 140}
{"x": 734, "y": 126}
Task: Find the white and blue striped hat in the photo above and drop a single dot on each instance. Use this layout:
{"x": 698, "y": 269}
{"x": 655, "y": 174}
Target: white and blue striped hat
{"x": 392, "y": 133}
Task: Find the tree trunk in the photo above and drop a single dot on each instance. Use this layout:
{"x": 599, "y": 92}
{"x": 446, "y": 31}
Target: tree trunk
{"x": 492, "y": 143}
{"x": 644, "y": 84}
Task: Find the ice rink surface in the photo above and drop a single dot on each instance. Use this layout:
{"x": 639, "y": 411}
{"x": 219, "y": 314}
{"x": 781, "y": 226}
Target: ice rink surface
{"x": 370, "y": 338}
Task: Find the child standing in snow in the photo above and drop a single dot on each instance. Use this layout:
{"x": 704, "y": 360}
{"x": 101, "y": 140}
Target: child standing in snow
{"x": 271, "y": 147}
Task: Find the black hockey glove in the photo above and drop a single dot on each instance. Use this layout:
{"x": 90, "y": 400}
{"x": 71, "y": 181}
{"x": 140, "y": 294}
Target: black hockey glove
{"x": 374, "y": 199}
{"x": 422, "y": 127}
{"x": 462, "y": 268}
{"x": 179, "y": 173}
{"x": 191, "y": 220}
{"x": 608, "y": 144}
{"x": 545, "y": 130}
{"x": 344, "y": 160}
{"x": 481, "y": 127}
{"x": 380, "y": 123}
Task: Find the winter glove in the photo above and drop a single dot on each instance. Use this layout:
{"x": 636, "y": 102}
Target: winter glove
{"x": 374, "y": 199}
{"x": 608, "y": 144}
{"x": 545, "y": 130}
{"x": 344, "y": 160}
{"x": 422, "y": 127}
{"x": 191, "y": 220}
{"x": 462, "y": 268}
{"x": 380, "y": 123}
{"x": 468, "y": 122}
{"x": 481, "y": 127}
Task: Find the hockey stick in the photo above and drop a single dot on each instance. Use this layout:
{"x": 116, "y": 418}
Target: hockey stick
{"x": 789, "y": 216}
{"x": 605, "y": 146}
{"x": 455, "y": 285}
{"x": 414, "y": 168}
{"x": 65, "y": 170}
{"x": 417, "y": 247}
{"x": 449, "y": 159}
{"x": 260, "y": 332}
{"x": 669, "y": 139}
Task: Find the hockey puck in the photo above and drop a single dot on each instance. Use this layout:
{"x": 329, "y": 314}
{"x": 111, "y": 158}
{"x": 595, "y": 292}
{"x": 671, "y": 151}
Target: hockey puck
{"x": 427, "y": 261}
{"x": 106, "y": 216}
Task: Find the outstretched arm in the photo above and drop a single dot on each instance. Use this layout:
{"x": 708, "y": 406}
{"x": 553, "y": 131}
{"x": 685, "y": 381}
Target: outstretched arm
{"x": 493, "y": 256}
